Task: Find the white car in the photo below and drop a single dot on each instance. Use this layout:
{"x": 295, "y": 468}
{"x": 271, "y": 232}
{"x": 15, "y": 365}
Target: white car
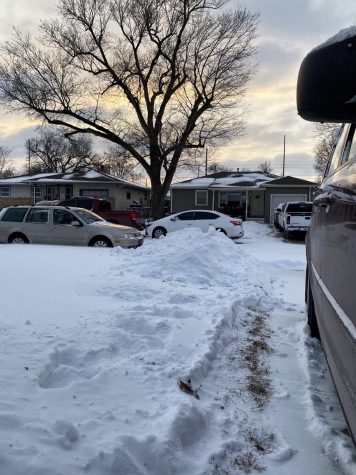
{"x": 204, "y": 220}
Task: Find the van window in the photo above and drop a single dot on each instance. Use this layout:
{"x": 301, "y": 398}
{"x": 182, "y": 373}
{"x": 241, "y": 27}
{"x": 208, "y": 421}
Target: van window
{"x": 338, "y": 151}
{"x": 350, "y": 147}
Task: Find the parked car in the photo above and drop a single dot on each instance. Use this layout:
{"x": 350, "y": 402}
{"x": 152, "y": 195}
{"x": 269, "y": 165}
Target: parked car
{"x": 63, "y": 225}
{"x": 202, "y": 219}
{"x": 102, "y": 208}
{"x": 294, "y": 216}
{"x": 326, "y": 92}
{"x": 276, "y": 215}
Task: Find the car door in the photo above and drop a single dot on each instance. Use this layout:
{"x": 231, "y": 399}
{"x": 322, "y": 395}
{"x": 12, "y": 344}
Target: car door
{"x": 37, "y": 226}
{"x": 316, "y": 247}
{"x": 336, "y": 270}
{"x": 182, "y": 221}
{"x": 205, "y": 219}
{"x": 64, "y": 232}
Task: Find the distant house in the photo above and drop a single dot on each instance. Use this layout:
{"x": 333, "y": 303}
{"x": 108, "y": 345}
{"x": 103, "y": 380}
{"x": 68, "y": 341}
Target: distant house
{"x": 59, "y": 186}
{"x": 252, "y": 195}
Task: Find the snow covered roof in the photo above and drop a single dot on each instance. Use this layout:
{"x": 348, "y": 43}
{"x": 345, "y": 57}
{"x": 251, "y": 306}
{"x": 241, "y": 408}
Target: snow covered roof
{"x": 88, "y": 176}
{"x": 246, "y": 180}
{"x": 289, "y": 181}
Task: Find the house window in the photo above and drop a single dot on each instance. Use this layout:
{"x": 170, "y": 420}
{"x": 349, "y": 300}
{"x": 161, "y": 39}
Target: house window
{"x": 201, "y": 198}
{"x": 99, "y": 193}
{"x": 128, "y": 195}
{"x": 4, "y": 191}
{"x": 228, "y": 198}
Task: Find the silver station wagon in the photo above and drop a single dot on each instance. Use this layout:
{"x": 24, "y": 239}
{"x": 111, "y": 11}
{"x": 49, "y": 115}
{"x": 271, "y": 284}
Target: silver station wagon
{"x": 63, "y": 225}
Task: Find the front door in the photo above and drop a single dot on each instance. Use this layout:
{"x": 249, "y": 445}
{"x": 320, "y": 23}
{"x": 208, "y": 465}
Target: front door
{"x": 52, "y": 192}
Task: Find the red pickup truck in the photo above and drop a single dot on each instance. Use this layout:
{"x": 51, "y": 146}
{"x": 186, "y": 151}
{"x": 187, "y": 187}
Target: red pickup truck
{"x": 102, "y": 208}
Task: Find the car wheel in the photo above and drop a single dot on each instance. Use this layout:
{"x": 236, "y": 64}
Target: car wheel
{"x": 221, "y": 231}
{"x": 158, "y": 232}
{"x": 100, "y": 241}
{"x": 18, "y": 239}
{"x": 311, "y": 315}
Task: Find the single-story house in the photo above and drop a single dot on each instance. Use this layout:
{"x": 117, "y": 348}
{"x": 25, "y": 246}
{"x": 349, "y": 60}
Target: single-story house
{"x": 30, "y": 189}
{"x": 250, "y": 195}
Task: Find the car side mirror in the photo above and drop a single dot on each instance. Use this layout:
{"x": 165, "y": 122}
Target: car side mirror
{"x": 173, "y": 218}
{"x": 78, "y": 224}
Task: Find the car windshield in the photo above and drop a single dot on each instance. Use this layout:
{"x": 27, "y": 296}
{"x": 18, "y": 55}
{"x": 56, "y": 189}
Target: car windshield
{"x": 87, "y": 216}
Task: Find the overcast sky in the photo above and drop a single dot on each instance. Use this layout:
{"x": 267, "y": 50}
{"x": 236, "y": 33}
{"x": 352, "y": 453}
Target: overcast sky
{"x": 288, "y": 29}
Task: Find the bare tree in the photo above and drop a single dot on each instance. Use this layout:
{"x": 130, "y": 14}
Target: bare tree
{"x": 265, "y": 167}
{"x": 155, "y": 77}
{"x": 216, "y": 167}
{"x": 121, "y": 164}
{"x": 52, "y": 151}
{"x": 326, "y": 135}
{"x": 196, "y": 161}
{"x": 7, "y": 169}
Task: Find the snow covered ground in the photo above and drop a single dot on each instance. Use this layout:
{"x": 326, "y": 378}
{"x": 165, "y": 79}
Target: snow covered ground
{"x": 93, "y": 342}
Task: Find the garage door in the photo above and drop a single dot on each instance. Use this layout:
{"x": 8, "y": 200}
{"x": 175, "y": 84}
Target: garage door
{"x": 276, "y": 199}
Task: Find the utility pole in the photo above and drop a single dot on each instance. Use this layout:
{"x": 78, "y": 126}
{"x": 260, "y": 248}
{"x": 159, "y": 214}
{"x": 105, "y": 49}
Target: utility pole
{"x": 28, "y": 145}
{"x": 284, "y": 154}
{"x": 206, "y": 161}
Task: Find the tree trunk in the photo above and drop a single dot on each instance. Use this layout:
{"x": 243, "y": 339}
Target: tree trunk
{"x": 158, "y": 197}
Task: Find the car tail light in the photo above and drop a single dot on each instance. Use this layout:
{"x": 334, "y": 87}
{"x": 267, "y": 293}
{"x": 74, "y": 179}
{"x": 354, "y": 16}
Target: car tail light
{"x": 133, "y": 217}
{"x": 236, "y": 222}
{"x": 288, "y": 220}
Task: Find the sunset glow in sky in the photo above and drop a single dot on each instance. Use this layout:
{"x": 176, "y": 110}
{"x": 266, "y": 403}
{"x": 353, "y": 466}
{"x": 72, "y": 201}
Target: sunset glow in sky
{"x": 288, "y": 30}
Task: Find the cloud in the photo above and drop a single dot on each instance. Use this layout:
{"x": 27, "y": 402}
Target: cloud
{"x": 24, "y": 15}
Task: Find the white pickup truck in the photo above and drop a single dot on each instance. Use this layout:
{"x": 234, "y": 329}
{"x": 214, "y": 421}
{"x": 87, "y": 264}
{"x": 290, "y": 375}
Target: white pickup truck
{"x": 294, "y": 216}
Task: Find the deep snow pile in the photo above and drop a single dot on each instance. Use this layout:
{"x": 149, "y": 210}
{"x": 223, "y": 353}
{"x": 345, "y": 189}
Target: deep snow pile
{"x": 94, "y": 342}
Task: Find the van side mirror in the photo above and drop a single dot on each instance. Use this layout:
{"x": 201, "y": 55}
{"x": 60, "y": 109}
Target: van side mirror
{"x": 326, "y": 87}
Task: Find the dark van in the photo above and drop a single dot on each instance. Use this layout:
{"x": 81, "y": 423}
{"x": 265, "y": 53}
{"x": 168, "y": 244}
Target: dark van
{"x": 326, "y": 92}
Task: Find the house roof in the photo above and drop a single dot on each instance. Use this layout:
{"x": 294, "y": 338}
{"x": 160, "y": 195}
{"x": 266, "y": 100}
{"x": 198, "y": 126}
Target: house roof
{"x": 244, "y": 180}
{"x": 85, "y": 176}
{"x": 290, "y": 181}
